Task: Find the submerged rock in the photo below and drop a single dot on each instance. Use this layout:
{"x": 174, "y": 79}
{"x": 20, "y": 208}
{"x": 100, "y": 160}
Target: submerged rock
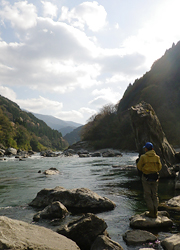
{"x": 21, "y": 235}
{"x": 103, "y": 242}
{"x": 84, "y": 231}
{"x": 141, "y": 221}
{"x": 136, "y": 237}
{"x": 75, "y": 200}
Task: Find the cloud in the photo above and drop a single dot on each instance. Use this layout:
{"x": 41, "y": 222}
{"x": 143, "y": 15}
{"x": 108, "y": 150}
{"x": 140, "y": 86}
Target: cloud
{"x": 40, "y": 105}
{"x": 87, "y": 13}
{"x": 99, "y": 101}
{"x": 50, "y": 10}
{"x": 56, "y": 57}
{"x": 63, "y": 55}
{"x": 54, "y": 52}
{"x": 105, "y": 96}
{"x": 8, "y": 93}
{"x": 108, "y": 94}
{"x": 21, "y": 15}
{"x": 87, "y": 111}
{"x": 126, "y": 64}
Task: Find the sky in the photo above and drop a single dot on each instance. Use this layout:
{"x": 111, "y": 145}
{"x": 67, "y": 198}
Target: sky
{"x": 70, "y": 58}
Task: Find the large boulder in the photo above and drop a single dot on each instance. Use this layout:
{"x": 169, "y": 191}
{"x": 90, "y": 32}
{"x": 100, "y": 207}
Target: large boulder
{"x": 53, "y": 211}
{"x": 172, "y": 242}
{"x": 75, "y": 200}
{"x": 10, "y": 151}
{"x": 141, "y": 221}
{"x": 103, "y": 242}
{"x": 84, "y": 230}
{"x": 147, "y": 127}
{"x": 21, "y": 235}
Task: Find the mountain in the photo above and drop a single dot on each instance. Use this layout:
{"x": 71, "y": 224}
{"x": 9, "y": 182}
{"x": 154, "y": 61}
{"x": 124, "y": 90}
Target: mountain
{"x": 22, "y": 130}
{"x": 73, "y": 136}
{"x": 62, "y": 126}
{"x": 159, "y": 87}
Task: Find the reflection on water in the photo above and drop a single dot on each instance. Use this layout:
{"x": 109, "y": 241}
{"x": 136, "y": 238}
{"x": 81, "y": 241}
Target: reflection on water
{"x": 110, "y": 177}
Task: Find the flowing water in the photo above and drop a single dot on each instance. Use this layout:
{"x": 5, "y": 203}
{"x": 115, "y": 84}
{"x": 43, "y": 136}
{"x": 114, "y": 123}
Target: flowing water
{"x": 110, "y": 177}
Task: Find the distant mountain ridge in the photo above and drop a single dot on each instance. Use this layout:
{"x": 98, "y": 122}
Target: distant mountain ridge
{"x": 55, "y": 123}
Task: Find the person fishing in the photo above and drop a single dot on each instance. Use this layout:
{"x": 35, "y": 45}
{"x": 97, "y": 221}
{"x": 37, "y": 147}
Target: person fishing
{"x": 150, "y": 165}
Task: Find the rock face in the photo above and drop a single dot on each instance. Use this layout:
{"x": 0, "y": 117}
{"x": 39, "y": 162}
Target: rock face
{"x": 84, "y": 231}
{"x": 171, "y": 243}
{"x": 136, "y": 237}
{"x": 146, "y": 128}
{"x": 103, "y": 242}
{"x": 75, "y": 200}
{"x": 141, "y": 221}
{"x": 21, "y": 235}
{"x": 54, "y": 210}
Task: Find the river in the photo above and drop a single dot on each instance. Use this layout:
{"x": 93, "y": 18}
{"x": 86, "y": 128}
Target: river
{"x": 110, "y": 177}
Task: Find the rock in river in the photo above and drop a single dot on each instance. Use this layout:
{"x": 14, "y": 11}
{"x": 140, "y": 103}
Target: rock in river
{"x": 84, "y": 230}
{"x": 21, "y": 235}
{"x": 75, "y": 200}
{"x": 172, "y": 242}
{"x": 103, "y": 242}
{"x": 141, "y": 221}
{"x": 54, "y": 210}
{"x": 51, "y": 171}
{"x": 136, "y": 237}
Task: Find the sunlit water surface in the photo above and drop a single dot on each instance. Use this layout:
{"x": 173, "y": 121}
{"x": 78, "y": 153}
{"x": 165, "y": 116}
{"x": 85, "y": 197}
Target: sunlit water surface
{"x": 110, "y": 177}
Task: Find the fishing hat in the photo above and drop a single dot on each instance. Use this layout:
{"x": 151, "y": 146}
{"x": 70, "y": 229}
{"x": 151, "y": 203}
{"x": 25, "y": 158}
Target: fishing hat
{"x": 148, "y": 145}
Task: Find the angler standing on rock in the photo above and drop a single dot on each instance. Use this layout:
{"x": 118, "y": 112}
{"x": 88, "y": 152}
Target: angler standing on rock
{"x": 149, "y": 164}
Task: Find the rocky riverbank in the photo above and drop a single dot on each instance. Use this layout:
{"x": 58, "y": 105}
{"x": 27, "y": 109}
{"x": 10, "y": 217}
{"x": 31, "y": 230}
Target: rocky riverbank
{"x": 84, "y": 231}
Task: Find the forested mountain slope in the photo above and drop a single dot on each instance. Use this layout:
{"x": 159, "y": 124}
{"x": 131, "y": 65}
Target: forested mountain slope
{"x": 20, "y": 129}
{"x": 159, "y": 87}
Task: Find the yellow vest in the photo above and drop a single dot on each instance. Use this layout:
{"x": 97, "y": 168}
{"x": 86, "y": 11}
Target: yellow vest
{"x": 149, "y": 162}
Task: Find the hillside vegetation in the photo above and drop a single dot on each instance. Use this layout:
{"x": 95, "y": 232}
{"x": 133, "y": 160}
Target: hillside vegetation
{"x": 22, "y": 130}
{"x": 159, "y": 87}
